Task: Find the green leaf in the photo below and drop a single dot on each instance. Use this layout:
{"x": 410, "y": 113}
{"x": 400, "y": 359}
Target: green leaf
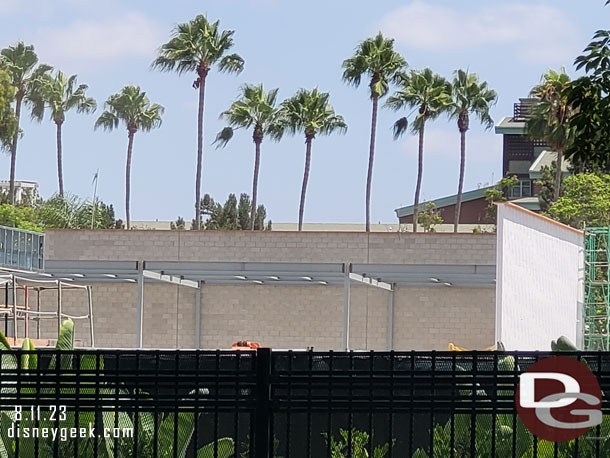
{"x": 226, "y": 449}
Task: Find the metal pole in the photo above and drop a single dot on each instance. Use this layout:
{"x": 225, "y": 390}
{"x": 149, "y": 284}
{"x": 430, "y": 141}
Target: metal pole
{"x": 90, "y": 299}
{"x": 58, "y": 308}
{"x": 198, "y": 316}
{"x": 140, "y": 317}
{"x": 14, "y": 310}
{"x": 346, "y": 305}
{"x": 26, "y": 325}
{"x": 391, "y": 318}
{"x": 6, "y": 301}
{"x": 38, "y": 310}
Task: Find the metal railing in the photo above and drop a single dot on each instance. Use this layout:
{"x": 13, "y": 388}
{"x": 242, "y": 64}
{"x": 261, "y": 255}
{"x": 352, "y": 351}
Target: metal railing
{"x": 289, "y": 404}
{"x": 21, "y": 249}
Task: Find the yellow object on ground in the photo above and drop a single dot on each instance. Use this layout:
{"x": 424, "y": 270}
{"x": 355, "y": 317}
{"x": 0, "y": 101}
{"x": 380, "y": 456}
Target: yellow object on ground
{"x": 453, "y": 347}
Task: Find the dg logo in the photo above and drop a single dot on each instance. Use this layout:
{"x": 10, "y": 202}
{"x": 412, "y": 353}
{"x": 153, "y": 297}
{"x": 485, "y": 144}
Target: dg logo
{"x": 559, "y": 399}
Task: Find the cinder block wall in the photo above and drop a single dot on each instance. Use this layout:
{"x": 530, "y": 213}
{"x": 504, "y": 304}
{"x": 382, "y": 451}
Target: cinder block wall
{"x": 281, "y": 316}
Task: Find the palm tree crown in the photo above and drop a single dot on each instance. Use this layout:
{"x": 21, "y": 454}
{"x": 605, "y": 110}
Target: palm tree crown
{"x": 468, "y": 95}
{"x": 196, "y": 46}
{"x": 60, "y": 94}
{"x": 255, "y": 109}
{"x": 376, "y": 58}
{"x": 311, "y": 113}
{"x": 423, "y": 90}
{"x": 132, "y": 107}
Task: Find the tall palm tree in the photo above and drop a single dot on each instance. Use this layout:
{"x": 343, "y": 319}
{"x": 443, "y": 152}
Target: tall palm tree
{"x": 430, "y": 95}
{"x": 468, "y": 95}
{"x": 550, "y": 119}
{"x": 376, "y": 59}
{"x": 310, "y": 113}
{"x": 255, "y": 109}
{"x": 132, "y": 107}
{"x": 20, "y": 61}
{"x": 196, "y": 46}
{"x": 59, "y": 94}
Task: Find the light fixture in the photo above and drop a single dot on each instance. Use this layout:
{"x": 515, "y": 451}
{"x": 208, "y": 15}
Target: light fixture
{"x": 258, "y": 282}
{"x": 274, "y": 277}
{"x": 307, "y": 278}
{"x": 66, "y": 279}
{"x": 78, "y": 275}
{"x": 130, "y": 280}
{"x": 448, "y": 284}
{"x": 240, "y": 277}
{"x": 110, "y": 275}
{"x": 434, "y": 280}
{"x": 323, "y": 282}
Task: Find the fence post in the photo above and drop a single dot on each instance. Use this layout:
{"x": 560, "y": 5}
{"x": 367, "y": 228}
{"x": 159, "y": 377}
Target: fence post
{"x": 262, "y": 427}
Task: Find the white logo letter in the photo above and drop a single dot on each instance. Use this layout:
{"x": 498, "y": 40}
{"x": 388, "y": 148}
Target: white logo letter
{"x": 527, "y": 390}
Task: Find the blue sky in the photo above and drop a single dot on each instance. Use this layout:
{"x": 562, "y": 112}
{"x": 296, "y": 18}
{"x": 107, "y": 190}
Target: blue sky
{"x": 289, "y": 45}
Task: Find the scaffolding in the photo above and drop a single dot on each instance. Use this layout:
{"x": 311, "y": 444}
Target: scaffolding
{"x": 20, "y": 295}
{"x": 596, "y": 310}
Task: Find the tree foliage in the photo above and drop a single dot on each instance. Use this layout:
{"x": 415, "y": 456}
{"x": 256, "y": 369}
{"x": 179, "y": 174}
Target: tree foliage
{"x": 429, "y": 218}
{"x": 232, "y": 215}
{"x": 585, "y": 201}
{"x": 8, "y": 121}
{"x": 497, "y": 194}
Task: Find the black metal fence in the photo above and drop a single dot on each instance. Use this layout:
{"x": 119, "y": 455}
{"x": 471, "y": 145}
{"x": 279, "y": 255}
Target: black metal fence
{"x": 280, "y": 404}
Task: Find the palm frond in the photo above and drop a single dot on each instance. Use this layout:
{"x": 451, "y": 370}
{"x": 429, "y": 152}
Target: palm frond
{"x": 400, "y": 127}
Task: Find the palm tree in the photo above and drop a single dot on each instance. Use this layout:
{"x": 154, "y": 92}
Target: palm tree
{"x": 550, "y": 119}
{"x": 257, "y": 109}
{"x": 60, "y": 94}
{"x": 20, "y": 61}
{"x": 468, "y": 95}
{"x": 132, "y": 107}
{"x": 375, "y": 58}
{"x": 430, "y": 95}
{"x": 197, "y": 46}
{"x": 310, "y": 113}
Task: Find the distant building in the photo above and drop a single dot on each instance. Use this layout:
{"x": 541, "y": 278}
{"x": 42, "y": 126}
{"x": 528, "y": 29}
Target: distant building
{"x": 21, "y": 188}
{"x": 524, "y": 156}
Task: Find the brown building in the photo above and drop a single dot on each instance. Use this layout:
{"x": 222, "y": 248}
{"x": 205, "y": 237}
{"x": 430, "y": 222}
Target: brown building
{"x": 473, "y": 208}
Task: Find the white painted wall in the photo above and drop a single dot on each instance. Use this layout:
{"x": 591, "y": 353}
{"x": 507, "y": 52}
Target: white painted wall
{"x": 539, "y": 289}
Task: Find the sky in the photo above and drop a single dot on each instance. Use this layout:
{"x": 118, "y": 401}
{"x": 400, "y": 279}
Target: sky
{"x": 288, "y": 45}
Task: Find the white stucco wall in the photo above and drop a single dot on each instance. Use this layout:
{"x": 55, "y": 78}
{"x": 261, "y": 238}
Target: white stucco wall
{"x": 539, "y": 290}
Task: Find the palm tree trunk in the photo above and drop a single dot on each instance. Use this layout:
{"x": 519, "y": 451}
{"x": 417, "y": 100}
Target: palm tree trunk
{"x": 128, "y": 180}
{"x": 60, "y": 173}
{"x": 458, "y": 204}
{"x": 199, "y": 152}
{"x": 558, "y": 175}
{"x": 11, "y": 191}
{"x": 257, "y": 160}
{"x": 420, "y": 173}
{"x": 369, "y": 177}
{"x": 305, "y": 179}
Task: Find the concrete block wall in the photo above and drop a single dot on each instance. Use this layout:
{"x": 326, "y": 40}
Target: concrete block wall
{"x": 283, "y": 316}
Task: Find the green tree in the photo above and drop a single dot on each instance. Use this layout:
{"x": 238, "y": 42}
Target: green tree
{"x": 430, "y": 95}
{"x": 376, "y": 59}
{"x": 132, "y": 107}
{"x": 254, "y": 109}
{"x": 550, "y": 119}
{"x": 585, "y": 201}
{"x": 547, "y": 186}
{"x": 20, "y": 62}
{"x": 233, "y": 215}
{"x": 429, "y": 218}
{"x": 468, "y": 95}
{"x": 59, "y": 94}
{"x": 178, "y": 225}
{"x": 310, "y": 113}
{"x": 196, "y": 46}
{"x": 498, "y": 194}
{"x": 19, "y": 217}
{"x": 8, "y": 121}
